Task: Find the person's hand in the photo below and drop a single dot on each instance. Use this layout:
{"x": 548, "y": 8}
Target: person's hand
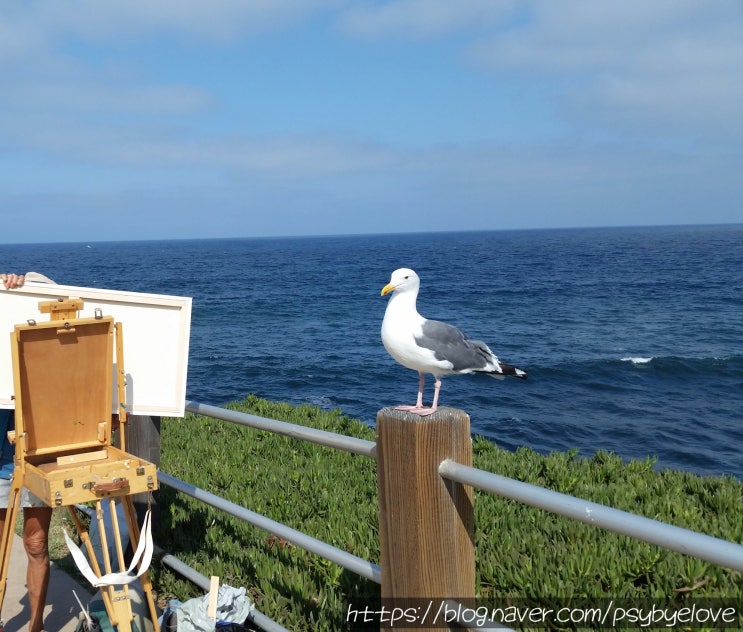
{"x": 11, "y": 281}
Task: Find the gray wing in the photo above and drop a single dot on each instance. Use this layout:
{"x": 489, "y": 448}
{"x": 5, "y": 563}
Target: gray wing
{"x": 451, "y": 345}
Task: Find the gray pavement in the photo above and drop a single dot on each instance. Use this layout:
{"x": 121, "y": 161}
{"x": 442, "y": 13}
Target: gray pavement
{"x": 61, "y": 612}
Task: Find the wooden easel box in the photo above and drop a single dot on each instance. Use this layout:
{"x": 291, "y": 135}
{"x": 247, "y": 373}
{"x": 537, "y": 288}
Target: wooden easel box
{"x": 63, "y": 372}
{"x": 112, "y": 473}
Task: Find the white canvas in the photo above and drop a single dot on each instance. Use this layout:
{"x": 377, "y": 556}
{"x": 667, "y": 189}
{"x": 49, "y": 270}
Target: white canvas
{"x": 156, "y": 330}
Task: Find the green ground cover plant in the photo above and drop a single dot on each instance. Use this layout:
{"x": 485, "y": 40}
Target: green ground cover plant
{"x": 521, "y": 552}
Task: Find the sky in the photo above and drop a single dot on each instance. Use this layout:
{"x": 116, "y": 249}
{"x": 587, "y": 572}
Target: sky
{"x": 176, "y": 119}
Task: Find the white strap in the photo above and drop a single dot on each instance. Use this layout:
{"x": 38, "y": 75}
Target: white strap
{"x": 143, "y": 552}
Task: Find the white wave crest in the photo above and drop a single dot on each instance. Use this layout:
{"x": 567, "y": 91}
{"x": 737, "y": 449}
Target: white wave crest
{"x": 637, "y": 360}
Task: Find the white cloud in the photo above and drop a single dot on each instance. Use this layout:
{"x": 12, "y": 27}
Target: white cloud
{"x": 17, "y": 40}
{"x": 282, "y": 158}
{"x": 41, "y": 71}
{"x": 163, "y": 146}
{"x": 86, "y": 97}
{"x": 648, "y": 66}
{"x": 216, "y": 19}
{"x": 422, "y": 18}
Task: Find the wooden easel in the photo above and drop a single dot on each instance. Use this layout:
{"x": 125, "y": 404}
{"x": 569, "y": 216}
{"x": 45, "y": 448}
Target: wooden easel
{"x": 63, "y": 376}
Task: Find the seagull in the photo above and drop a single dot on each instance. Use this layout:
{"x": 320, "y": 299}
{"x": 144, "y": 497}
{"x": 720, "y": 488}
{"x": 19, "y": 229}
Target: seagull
{"x": 431, "y": 346}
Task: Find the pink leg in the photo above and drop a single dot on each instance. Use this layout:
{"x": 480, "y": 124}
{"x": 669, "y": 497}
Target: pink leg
{"x": 423, "y": 412}
{"x": 419, "y": 403}
{"x": 419, "y": 409}
{"x": 436, "y": 389}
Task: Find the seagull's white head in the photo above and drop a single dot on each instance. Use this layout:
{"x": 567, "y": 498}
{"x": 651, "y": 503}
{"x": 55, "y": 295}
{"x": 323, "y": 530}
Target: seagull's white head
{"x": 403, "y": 279}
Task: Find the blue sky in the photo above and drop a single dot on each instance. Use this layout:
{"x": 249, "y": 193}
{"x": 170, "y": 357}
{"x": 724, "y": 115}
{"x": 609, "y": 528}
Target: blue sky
{"x": 236, "y": 118}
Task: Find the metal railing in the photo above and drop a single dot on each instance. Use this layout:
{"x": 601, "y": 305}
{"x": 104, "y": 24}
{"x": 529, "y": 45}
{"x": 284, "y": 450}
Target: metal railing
{"x": 313, "y": 545}
{"x": 295, "y": 431}
{"x": 721, "y": 552}
{"x": 667, "y": 536}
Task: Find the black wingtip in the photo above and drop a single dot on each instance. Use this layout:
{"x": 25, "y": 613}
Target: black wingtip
{"x": 513, "y": 371}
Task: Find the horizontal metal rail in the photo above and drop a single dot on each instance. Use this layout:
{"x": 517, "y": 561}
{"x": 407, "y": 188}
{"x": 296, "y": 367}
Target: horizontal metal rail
{"x": 313, "y": 545}
{"x": 705, "y": 547}
{"x": 720, "y": 552}
{"x": 322, "y": 437}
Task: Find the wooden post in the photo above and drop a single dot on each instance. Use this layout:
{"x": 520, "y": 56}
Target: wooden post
{"x": 426, "y": 523}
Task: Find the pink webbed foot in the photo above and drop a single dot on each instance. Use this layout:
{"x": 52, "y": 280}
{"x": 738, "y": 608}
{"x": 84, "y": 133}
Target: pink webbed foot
{"x": 418, "y": 410}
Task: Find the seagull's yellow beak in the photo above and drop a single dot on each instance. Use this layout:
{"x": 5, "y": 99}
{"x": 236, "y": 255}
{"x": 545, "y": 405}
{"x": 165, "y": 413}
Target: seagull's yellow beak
{"x": 387, "y": 289}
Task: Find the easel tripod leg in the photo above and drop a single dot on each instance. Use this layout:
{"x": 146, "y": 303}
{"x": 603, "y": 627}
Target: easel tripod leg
{"x": 123, "y": 603}
{"x": 85, "y": 539}
{"x": 144, "y": 580}
{"x": 7, "y": 539}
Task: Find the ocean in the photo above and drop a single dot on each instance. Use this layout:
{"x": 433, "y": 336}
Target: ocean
{"x": 632, "y": 337}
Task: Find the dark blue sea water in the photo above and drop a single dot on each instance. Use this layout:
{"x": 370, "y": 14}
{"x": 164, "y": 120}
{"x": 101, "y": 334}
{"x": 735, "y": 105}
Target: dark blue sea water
{"x": 632, "y": 337}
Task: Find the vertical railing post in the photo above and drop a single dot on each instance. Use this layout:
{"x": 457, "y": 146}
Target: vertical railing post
{"x": 426, "y": 523}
